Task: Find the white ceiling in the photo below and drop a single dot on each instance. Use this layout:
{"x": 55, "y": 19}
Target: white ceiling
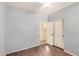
{"x": 34, "y": 7}
{"x": 55, "y": 7}
{"x": 26, "y": 6}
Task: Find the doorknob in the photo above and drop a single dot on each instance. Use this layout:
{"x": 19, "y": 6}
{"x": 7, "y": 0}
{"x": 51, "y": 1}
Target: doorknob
{"x": 52, "y": 34}
{"x": 63, "y": 35}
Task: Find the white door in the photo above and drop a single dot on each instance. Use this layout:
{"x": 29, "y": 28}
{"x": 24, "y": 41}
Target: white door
{"x": 49, "y": 33}
{"x": 58, "y": 33}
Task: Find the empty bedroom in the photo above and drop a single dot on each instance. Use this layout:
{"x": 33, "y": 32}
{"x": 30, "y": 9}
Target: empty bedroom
{"x": 39, "y": 28}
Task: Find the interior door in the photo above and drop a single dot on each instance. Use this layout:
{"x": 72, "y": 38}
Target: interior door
{"x": 58, "y": 33}
{"x": 49, "y": 33}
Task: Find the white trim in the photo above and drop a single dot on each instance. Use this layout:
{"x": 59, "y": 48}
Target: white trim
{"x": 2, "y": 53}
{"x": 8, "y": 52}
{"x": 70, "y": 53}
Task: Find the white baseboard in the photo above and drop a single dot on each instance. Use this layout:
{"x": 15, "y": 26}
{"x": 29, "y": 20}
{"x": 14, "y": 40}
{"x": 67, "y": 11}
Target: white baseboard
{"x": 2, "y": 53}
{"x": 70, "y": 53}
{"x": 8, "y": 52}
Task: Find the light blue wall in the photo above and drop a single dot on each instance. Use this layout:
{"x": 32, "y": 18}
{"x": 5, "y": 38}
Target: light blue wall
{"x": 2, "y": 18}
{"x": 21, "y": 30}
{"x": 71, "y": 26}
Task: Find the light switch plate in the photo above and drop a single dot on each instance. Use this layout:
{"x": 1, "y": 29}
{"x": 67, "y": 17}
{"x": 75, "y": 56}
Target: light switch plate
{"x": 77, "y": 49}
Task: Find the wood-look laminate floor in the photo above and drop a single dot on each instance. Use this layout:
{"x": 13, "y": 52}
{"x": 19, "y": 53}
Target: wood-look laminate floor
{"x": 43, "y": 50}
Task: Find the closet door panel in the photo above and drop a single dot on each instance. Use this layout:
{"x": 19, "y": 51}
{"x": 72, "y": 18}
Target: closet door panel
{"x": 49, "y": 33}
{"x": 58, "y": 34}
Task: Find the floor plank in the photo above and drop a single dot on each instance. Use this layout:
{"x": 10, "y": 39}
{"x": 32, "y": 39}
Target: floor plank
{"x": 43, "y": 50}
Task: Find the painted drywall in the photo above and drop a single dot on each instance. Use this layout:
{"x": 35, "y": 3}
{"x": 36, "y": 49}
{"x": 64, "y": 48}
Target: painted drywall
{"x": 71, "y": 26}
{"x": 22, "y": 30}
{"x": 2, "y": 16}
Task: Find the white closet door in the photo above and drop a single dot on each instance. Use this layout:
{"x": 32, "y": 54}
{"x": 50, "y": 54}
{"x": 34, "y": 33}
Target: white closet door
{"x": 58, "y": 33}
{"x": 49, "y": 33}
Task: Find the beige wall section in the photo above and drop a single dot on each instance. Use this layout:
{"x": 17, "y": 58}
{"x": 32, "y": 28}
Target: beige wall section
{"x": 42, "y": 32}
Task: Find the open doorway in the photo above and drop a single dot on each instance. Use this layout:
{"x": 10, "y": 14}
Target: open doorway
{"x": 42, "y": 26}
